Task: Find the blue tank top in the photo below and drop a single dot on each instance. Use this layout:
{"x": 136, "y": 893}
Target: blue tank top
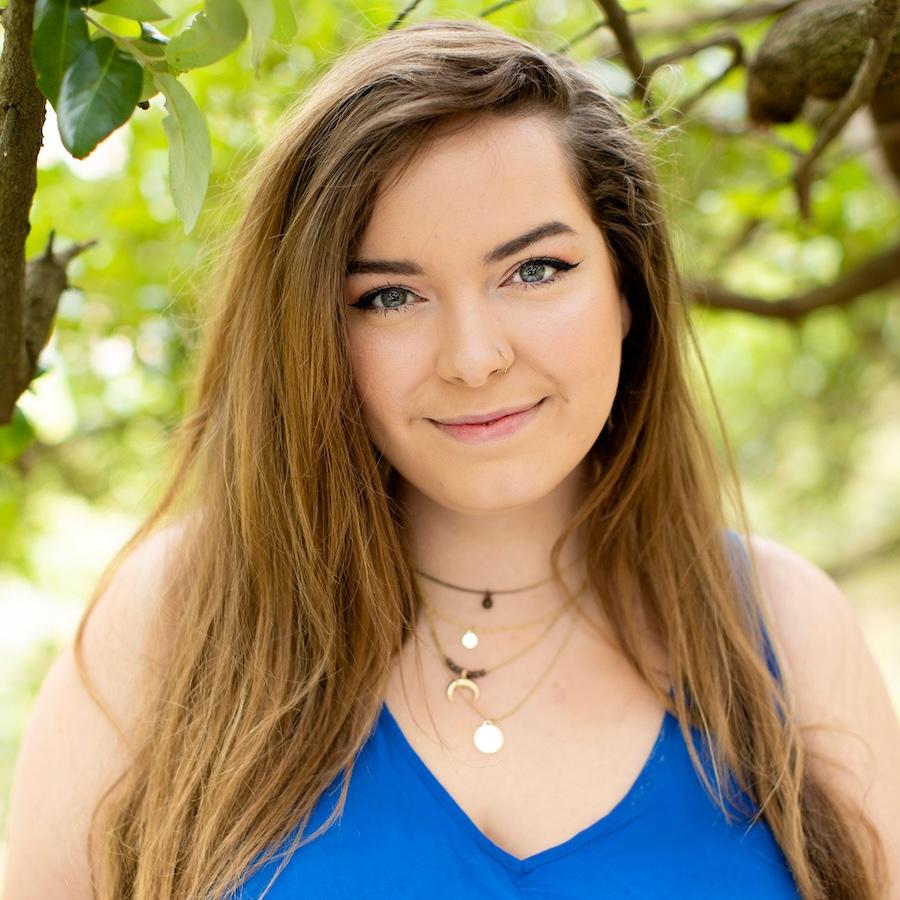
{"x": 402, "y": 835}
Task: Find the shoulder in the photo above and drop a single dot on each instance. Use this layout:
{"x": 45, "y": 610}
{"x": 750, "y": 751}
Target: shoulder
{"x": 71, "y": 753}
{"x": 133, "y": 616}
{"x": 841, "y": 702}
{"x": 811, "y": 614}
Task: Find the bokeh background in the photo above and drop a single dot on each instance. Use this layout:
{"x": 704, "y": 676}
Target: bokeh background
{"x": 811, "y": 406}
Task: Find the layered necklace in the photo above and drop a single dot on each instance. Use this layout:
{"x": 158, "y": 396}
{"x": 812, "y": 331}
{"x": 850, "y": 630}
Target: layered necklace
{"x": 487, "y": 736}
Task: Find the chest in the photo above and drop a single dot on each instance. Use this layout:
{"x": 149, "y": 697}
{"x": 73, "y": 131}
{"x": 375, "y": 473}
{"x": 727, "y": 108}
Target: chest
{"x": 571, "y": 753}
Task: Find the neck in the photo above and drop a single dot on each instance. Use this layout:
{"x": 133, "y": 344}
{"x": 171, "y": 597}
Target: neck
{"x": 496, "y": 550}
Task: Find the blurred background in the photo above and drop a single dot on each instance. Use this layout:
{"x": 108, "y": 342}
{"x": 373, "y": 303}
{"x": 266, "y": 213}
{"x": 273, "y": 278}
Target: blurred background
{"x": 810, "y": 399}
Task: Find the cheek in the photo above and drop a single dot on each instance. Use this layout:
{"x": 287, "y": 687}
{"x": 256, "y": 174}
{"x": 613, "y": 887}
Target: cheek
{"x": 382, "y": 371}
{"x": 584, "y": 347}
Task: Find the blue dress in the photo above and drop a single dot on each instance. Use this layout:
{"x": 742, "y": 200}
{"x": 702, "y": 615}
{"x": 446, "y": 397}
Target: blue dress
{"x": 402, "y": 835}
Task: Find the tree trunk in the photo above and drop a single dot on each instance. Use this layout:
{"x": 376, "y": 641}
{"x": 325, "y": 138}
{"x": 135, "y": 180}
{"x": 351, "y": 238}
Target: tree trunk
{"x": 22, "y": 110}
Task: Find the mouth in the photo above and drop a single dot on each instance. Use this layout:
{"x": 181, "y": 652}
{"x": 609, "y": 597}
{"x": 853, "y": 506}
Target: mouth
{"x": 501, "y": 427}
{"x": 487, "y": 418}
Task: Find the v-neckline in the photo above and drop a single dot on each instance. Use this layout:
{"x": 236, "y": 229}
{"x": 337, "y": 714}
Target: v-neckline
{"x": 630, "y": 804}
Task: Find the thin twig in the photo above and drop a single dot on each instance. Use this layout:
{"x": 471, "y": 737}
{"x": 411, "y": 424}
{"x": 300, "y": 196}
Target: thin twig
{"x": 403, "y": 14}
{"x": 725, "y": 39}
{"x": 683, "y": 51}
{"x": 496, "y": 7}
{"x": 691, "y": 100}
{"x": 749, "y": 12}
{"x": 592, "y": 29}
{"x": 743, "y": 238}
{"x": 582, "y": 35}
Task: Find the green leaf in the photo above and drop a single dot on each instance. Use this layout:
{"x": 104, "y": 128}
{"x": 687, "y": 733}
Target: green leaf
{"x": 261, "y": 15}
{"x": 60, "y": 34}
{"x": 212, "y": 35}
{"x": 98, "y": 94}
{"x": 152, "y": 44}
{"x": 285, "y": 23}
{"x": 148, "y": 88}
{"x": 190, "y": 150}
{"x": 15, "y": 437}
{"x": 146, "y": 10}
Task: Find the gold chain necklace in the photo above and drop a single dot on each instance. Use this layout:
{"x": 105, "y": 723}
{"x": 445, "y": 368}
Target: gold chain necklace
{"x": 470, "y": 639}
{"x": 487, "y": 737}
{"x": 469, "y": 675}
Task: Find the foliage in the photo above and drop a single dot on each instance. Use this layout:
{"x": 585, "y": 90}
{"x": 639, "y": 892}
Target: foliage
{"x": 811, "y": 408}
{"x": 95, "y": 76}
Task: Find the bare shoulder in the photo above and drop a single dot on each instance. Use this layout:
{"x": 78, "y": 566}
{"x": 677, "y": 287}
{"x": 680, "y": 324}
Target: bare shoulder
{"x": 133, "y": 619}
{"x": 813, "y": 617}
{"x": 70, "y": 752}
{"x": 841, "y": 700}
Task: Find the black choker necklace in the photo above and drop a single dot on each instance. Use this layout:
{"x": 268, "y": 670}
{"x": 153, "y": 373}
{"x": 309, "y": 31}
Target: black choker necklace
{"x": 487, "y": 600}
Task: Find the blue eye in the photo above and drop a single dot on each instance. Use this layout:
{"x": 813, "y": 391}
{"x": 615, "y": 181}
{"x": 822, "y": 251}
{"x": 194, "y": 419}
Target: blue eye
{"x": 365, "y": 303}
{"x": 543, "y": 263}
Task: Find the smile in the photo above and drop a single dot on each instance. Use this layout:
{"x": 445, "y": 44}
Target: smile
{"x": 486, "y": 432}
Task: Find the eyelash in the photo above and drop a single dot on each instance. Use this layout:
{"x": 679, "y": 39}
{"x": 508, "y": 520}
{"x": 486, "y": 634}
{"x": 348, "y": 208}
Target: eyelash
{"x": 364, "y": 304}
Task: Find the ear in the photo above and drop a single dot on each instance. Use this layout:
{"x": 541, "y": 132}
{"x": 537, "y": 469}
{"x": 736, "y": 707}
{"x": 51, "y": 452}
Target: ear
{"x": 626, "y": 315}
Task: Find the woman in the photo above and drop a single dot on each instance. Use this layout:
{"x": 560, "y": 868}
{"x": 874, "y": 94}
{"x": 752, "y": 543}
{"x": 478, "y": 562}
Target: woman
{"x": 546, "y": 665}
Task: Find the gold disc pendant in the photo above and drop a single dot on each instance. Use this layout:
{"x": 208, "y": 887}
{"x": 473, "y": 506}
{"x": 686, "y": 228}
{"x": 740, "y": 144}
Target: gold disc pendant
{"x": 488, "y": 738}
{"x": 469, "y": 640}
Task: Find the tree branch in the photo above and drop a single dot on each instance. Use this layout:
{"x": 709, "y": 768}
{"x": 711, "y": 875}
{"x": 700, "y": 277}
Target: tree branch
{"x": 745, "y": 12}
{"x": 617, "y": 20}
{"x": 880, "y": 26}
{"x": 725, "y": 39}
{"x": 45, "y": 280}
{"x": 876, "y": 273}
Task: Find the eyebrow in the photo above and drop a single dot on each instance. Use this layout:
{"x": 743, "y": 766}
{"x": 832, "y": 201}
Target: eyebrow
{"x": 507, "y": 248}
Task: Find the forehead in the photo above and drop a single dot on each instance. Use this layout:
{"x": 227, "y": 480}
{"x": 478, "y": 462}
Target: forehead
{"x": 473, "y": 187}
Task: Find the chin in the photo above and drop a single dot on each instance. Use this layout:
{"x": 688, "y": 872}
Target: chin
{"x": 492, "y": 491}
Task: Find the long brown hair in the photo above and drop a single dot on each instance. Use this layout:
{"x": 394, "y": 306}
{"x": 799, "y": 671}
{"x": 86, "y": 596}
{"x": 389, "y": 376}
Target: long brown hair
{"x": 293, "y": 588}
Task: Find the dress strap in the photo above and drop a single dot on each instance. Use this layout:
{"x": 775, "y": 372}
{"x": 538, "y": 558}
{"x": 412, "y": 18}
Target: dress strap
{"x": 740, "y": 561}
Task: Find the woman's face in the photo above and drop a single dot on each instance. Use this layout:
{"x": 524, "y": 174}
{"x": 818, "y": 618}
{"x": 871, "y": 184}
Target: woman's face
{"x": 450, "y": 240}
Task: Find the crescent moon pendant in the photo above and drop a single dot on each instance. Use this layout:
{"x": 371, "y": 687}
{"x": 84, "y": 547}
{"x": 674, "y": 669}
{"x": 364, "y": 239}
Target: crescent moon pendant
{"x": 463, "y": 683}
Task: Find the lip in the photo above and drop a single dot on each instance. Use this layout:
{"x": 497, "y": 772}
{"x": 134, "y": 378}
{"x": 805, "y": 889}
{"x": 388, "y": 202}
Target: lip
{"x": 502, "y": 427}
{"x": 487, "y": 417}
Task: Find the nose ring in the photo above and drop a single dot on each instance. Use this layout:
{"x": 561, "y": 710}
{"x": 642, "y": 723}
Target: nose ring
{"x": 504, "y": 360}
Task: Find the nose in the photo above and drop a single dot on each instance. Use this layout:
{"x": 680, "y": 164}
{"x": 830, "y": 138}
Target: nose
{"x": 469, "y": 335}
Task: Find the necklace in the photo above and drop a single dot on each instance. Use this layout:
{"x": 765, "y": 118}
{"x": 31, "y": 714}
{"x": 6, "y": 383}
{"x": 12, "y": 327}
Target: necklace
{"x": 488, "y": 737}
{"x": 469, "y": 638}
{"x": 496, "y": 629}
{"x": 467, "y": 676}
{"x": 487, "y": 600}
